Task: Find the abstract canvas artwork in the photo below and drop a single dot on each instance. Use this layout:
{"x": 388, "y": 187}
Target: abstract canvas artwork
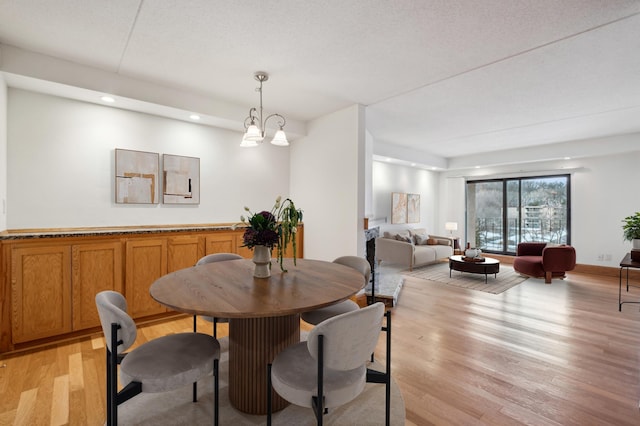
{"x": 405, "y": 208}
{"x": 413, "y": 208}
{"x": 180, "y": 179}
{"x": 137, "y": 177}
{"x": 398, "y": 207}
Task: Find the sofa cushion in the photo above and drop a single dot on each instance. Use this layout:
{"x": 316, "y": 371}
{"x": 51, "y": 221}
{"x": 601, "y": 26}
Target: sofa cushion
{"x": 529, "y": 265}
{"x": 443, "y": 242}
{"x": 421, "y": 239}
{"x": 424, "y": 255}
{"x": 404, "y": 236}
{"x": 443, "y": 251}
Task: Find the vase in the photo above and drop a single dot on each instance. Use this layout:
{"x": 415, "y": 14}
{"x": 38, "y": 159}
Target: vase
{"x": 473, "y": 252}
{"x": 262, "y": 260}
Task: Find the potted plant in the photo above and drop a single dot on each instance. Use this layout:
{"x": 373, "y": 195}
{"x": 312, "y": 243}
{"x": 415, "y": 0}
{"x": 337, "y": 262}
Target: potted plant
{"x": 271, "y": 229}
{"x": 631, "y": 229}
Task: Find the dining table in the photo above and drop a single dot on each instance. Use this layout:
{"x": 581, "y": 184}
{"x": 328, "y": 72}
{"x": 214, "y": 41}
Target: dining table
{"x": 263, "y": 313}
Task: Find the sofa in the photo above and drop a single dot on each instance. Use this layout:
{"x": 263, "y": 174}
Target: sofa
{"x": 542, "y": 260}
{"x": 412, "y": 248}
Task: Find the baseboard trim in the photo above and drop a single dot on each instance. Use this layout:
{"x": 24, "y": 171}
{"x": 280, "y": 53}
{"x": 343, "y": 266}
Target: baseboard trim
{"x": 607, "y": 271}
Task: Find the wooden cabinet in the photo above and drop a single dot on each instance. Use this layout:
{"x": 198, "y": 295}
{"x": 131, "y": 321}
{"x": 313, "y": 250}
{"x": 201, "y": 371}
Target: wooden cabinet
{"x": 183, "y": 251}
{"x": 220, "y": 243}
{"x": 48, "y": 285}
{"x": 146, "y": 261}
{"x": 95, "y": 268}
{"x": 41, "y": 292}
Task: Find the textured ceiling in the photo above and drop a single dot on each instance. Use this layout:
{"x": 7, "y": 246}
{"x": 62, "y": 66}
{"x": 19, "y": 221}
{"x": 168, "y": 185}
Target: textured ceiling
{"x": 448, "y": 77}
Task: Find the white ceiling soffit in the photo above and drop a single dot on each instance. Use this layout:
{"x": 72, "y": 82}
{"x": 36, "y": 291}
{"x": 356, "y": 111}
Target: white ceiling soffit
{"x": 445, "y": 78}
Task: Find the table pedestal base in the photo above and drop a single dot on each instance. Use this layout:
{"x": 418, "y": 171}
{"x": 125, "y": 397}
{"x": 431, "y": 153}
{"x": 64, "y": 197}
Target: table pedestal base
{"x": 254, "y": 343}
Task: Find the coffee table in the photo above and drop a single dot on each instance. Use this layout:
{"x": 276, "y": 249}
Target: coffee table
{"x": 487, "y": 266}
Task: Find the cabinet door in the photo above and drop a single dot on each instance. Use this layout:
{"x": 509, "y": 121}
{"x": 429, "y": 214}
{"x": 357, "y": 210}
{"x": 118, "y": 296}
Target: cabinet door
{"x": 242, "y": 251}
{"x": 41, "y": 296}
{"x": 95, "y": 267}
{"x": 223, "y": 242}
{"x": 184, "y": 252}
{"x": 146, "y": 261}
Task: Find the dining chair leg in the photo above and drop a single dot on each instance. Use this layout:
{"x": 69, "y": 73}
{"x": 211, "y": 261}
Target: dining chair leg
{"x": 215, "y": 327}
{"x": 216, "y": 387}
{"x": 269, "y": 390}
{"x": 195, "y": 384}
{"x": 112, "y": 367}
{"x": 387, "y": 407}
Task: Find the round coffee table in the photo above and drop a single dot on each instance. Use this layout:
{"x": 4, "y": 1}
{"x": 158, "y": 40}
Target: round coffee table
{"x": 487, "y": 266}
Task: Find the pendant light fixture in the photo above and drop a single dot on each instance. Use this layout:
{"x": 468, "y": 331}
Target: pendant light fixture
{"x": 255, "y": 126}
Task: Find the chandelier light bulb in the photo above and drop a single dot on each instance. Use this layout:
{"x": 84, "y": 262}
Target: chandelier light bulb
{"x": 280, "y": 138}
{"x": 246, "y": 143}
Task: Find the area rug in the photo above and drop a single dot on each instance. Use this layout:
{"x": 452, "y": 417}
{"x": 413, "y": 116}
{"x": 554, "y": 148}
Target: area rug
{"x": 176, "y": 408}
{"x": 439, "y": 272}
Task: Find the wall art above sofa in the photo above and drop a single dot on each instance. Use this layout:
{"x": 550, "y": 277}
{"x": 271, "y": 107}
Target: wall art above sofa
{"x": 405, "y": 208}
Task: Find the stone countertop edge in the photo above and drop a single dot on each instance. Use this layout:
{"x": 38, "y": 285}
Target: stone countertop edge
{"x": 34, "y": 234}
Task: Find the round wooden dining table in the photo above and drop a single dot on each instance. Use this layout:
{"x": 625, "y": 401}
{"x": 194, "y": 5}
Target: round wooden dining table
{"x": 264, "y": 313}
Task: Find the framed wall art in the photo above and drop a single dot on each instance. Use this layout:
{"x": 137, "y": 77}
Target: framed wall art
{"x": 180, "y": 179}
{"x": 398, "y": 207}
{"x": 413, "y": 208}
{"x": 137, "y": 177}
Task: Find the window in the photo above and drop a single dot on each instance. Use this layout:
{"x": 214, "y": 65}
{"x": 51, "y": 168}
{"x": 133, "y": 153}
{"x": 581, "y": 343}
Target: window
{"x": 504, "y": 212}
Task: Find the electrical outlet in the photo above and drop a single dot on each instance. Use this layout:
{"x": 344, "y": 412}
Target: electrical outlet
{"x": 607, "y": 257}
{"x": 600, "y": 257}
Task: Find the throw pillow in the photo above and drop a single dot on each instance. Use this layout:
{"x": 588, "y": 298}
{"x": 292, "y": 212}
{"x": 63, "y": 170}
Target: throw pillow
{"x": 404, "y": 236}
{"x": 432, "y": 241}
{"x": 418, "y": 231}
{"x": 421, "y": 239}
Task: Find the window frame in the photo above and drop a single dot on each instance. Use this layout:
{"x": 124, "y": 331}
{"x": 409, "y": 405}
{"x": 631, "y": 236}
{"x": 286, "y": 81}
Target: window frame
{"x": 505, "y": 209}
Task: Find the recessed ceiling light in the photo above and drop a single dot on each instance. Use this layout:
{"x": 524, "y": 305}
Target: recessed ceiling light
{"x": 413, "y": 164}
{"x": 388, "y": 159}
{"x": 434, "y": 168}
{"x": 108, "y": 99}
{"x": 567, "y": 158}
{"x": 477, "y": 167}
{"x": 194, "y": 117}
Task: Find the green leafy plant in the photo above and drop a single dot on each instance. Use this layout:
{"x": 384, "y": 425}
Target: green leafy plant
{"x": 275, "y": 229}
{"x": 631, "y": 227}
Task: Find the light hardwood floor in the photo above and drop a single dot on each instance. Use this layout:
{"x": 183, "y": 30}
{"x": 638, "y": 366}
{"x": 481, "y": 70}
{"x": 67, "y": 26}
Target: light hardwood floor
{"x": 558, "y": 354}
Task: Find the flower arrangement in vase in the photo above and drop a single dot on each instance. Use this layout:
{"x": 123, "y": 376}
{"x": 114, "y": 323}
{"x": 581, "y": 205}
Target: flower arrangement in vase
{"x": 272, "y": 229}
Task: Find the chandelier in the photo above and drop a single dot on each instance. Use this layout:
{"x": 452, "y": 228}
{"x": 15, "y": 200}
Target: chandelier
{"x": 255, "y": 126}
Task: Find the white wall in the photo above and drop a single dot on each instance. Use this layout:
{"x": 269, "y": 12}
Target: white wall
{"x": 61, "y": 153}
{"x": 603, "y": 192}
{"x": 3, "y": 153}
{"x": 327, "y": 182}
{"x": 388, "y": 178}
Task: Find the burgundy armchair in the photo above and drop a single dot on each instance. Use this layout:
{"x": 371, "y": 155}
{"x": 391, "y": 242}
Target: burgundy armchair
{"x": 537, "y": 260}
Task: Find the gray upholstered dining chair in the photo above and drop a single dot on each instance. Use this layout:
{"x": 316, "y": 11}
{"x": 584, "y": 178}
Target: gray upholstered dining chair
{"x": 211, "y": 258}
{"x": 330, "y": 368}
{"x": 317, "y": 316}
{"x": 162, "y": 364}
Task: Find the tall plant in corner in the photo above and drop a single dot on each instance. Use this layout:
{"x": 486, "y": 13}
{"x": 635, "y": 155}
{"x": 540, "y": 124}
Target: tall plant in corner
{"x": 631, "y": 229}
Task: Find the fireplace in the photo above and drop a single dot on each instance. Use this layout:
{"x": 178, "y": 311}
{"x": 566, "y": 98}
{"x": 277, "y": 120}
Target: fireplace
{"x": 370, "y": 236}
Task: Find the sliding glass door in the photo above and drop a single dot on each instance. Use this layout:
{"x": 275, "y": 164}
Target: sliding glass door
{"x": 504, "y": 212}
